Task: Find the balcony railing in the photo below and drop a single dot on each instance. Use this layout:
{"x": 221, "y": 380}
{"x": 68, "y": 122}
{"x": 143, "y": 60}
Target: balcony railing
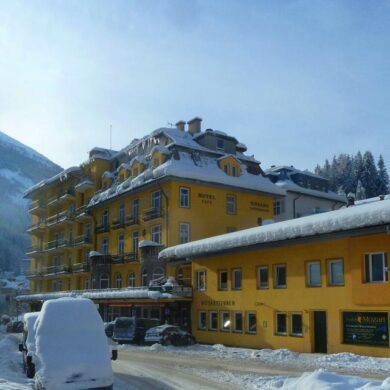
{"x": 101, "y": 260}
{"x": 80, "y": 267}
{"x": 57, "y": 269}
{"x": 130, "y": 256}
{"x": 131, "y": 220}
{"x": 36, "y": 227}
{"x": 82, "y": 212}
{"x": 118, "y": 224}
{"x": 152, "y": 213}
{"x": 60, "y": 243}
{"x": 34, "y": 249}
{"x": 34, "y": 273}
{"x": 82, "y": 240}
{"x": 103, "y": 228}
{"x": 35, "y": 205}
{"x": 64, "y": 216}
{"x": 69, "y": 193}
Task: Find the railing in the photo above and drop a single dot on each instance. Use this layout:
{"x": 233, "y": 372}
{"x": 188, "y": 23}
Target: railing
{"x": 118, "y": 224}
{"x": 101, "y": 260}
{"x": 117, "y": 258}
{"x": 131, "y": 220}
{"x": 130, "y": 256}
{"x": 57, "y": 269}
{"x": 36, "y": 226}
{"x": 80, "y": 240}
{"x": 36, "y": 273}
{"x": 60, "y": 217}
{"x": 60, "y": 243}
{"x": 103, "y": 228}
{"x": 82, "y": 211}
{"x": 152, "y": 213}
{"x": 63, "y": 194}
{"x": 36, "y": 204}
{"x": 81, "y": 267}
{"x": 34, "y": 249}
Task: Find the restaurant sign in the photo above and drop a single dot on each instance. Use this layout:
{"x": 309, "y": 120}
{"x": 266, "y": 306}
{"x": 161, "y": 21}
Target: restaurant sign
{"x": 366, "y": 328}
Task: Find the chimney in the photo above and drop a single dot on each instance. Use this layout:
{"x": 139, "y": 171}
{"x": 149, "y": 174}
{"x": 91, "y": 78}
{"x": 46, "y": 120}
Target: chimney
{"x": 194, "y": 125}
{"x": 180, "y": 125}
{"x": 350, "y": 199}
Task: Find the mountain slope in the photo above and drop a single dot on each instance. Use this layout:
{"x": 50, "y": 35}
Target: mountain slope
{"x": 20, "y": 168}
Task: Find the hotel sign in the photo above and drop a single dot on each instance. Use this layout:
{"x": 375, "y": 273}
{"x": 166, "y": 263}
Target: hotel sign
{"x": 206, "y": 198}
{"x": 366, "y": 328}
{"x": 259, "y": 206}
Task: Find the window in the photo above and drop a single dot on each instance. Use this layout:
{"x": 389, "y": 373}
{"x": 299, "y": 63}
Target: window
{"x": 223, "y": 280}
{"x": 135, "y": 209}
{"x": 105, "y": 219}
{"x": 313, "y": 274}
{"x": 144, "y": 277}
{"x": 251, "y": 323}
{"x": 278, "y": 207}
{"x": 262, "y": 277}
{"x": 155, "y": 232}
{"x": 184, "y": 232}
{"x": 231, "y": 204}
{"x": 225, "y": 321}
{"x": 121, "y": 245}
{"x": 296, "y": 324}
{"x": 104, "y": 281}
{"x": 336, "y": 272}
{"x": 280, "y": 276}
{"x": 134, "y": 239}
{"x": 131, "y": 279}
{"x": 118, "y": 280}
{"x": 238, "y": 322}
{"x": 156, "y": 200}
{"x": 88, "y": 232}
{"x": 213, "y": 320}
{"x": 184, "y": 197}
{"x": 121, "y": 214}
{"x": 202, "y": 320}
{"x": 104, "y": 248}
{"x": 281, "y": 324}
{"x": 236, "y": 279}
{"x": 376, "y": 267}
{"x": 201, "y": 280}
{"x": 226, "y": 169}
{"x": 220, "y": 144}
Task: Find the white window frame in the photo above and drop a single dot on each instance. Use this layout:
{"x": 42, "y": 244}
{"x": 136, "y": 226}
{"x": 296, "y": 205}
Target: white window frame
{"x": 331, "y": 282}
{"x": 156, "y": 200}
{"x": 106, "y": 279}
{"x": 368, "y": 276}
{"x": 223, "y": 318}
{"x": 135, "y": 209}
{"x": 278, "y": 207}
{"x": 155, "y": 232}
{"x": 292, "y": 333}
{"x": 231, "y": 204}
{"x": 235, "y": 271}
{"x": 259, "y": 269}
{"x": 121, "y": 245}
{"x": 131, "y": 279}
{"x": 222, "y": 141}
{"x": 118, "y": 280}
{"x": 309, "y": 282}
{"x": 121, "y": 214}
{"x": 184, "y": 197}
{"x": 105, "y": 246}
{"x": 248, "y": 330}
{"x": 276, "y": 268}
{"x": 201, "y": 282}
{"x": 135, "y": 240}
{"x": 184, "y": 232}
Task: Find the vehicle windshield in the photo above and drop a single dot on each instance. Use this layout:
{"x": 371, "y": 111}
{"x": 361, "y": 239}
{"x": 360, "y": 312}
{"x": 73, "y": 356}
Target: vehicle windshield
{"x": 124, "y": 323}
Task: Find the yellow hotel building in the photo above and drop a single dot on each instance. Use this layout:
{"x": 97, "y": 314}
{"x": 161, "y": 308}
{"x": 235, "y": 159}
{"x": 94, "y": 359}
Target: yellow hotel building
{"x": 313, "y": 284}
{"x": 97, "y": 228}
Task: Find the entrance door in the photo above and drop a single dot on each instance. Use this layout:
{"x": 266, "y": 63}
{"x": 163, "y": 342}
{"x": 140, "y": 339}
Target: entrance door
{"x": 320, "y": 335}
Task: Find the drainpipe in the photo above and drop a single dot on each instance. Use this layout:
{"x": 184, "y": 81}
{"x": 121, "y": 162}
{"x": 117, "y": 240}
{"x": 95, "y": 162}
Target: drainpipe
{"x": 295, "y": 199}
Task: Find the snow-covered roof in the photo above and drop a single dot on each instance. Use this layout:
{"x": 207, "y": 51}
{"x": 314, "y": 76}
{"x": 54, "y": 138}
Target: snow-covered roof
{"x": 138, "y": 159}
{"x": 108, "y": 174}
{"x": 370, "y": 200}
{"x": 161, "y": 149}
{"x": 372, "y": 214}
{"x": 125, "y": 166}
{"x": 291, "y": 171}
{"x": 202, "y": 168}
{"x": 289, "y": 185}
{"x": 63, "y": 175}
{"x": 146, "y": 243}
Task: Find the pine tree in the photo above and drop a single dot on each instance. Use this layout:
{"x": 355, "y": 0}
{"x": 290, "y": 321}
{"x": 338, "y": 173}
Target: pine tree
{"x": 369, "y": 175}
{"x": 360, "y": 191}
{"x": 383, "y": 178}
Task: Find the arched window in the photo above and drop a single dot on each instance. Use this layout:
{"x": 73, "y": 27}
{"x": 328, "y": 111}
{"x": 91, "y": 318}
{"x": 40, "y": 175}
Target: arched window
{"x": 118, "y": 280}
{"x": 104, "y": 281}
{"x": 144, "y": 277}
{"x": 158, "y": 273}
{"x": 131, "y": 279}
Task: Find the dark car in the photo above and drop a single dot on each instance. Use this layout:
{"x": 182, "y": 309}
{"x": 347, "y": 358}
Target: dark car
{"x": 169, "y": 335}
{"x": 109, "y": 328}
{"x": 15, "y": 327}
{"x": 132, "y": 329}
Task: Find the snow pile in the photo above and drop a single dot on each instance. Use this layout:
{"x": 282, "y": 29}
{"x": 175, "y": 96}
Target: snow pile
{"x": 71, "y": 346}
{"x": 371, "y": 214}
{"x": 279, "y": 355}
{"x": 29, "y": 320}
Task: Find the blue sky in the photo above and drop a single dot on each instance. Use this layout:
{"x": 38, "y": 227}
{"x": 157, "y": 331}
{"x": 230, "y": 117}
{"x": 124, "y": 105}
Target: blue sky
{"x": 297, "y": 81}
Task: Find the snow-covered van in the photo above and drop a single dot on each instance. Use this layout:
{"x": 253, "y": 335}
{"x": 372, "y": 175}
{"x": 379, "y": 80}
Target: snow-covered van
{"x": 71, "y": 348}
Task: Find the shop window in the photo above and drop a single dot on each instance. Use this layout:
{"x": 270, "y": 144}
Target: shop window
{"x": 201, "y": 284}
{"x": 131, "y": 279}
{"x": 262, "y": 277}
{"x": 280, "y": 276}
{"x": 225, "y": 321}
{"x": 251, "y": 322}
{"x": 213, "y": 320}
{"x": 118, "y": 280}
{"x": 184, "y": 198}
{"x": 202, "y": 320}
{"x": 296, "y": 324}
{"x": 281, "y": 324}
{"x": 104, "y": 281}
{"x": 313, "y": 274}
{"x": 376, "y": 267}
{"x": 223, "y": 280}
{"x": 238, "y": 322}
{"x": 231, "y": 204}
{"x": 236, "y": 279}
{"x": 336, "y": 272}
{"x": 184, "y": 233}
{"x": 155, "y": 232}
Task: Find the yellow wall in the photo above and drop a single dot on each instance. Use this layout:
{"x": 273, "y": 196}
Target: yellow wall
{"x": 297, "y": 297}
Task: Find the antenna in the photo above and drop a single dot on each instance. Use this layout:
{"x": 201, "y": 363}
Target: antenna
{"x": 110, "y": 137}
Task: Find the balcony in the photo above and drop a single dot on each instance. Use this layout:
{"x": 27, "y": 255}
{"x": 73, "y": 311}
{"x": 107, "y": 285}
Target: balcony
{"x": 57, "y": 269}
{"x": 34, "y": 273}
{"x": 55, "y": 245}
{"x": 101, "y": 260}
{"x": 34, "y": 250}
{"x": 82, "y": 240}
{"x": 152, "y": 213}
{"x": 61, "y": 218}
{"x": 118, "y": 224}
{"x": 37, "y": 228}
{"x": 130, "y": 256}
{"x": 103, "y": 228}
{"x": 36, "y": 207}
{"x": 82, "y": 213}
{"x": 80, "y": 267}
{"x": 68, "y": 194}
{"x": 131, "y": 220}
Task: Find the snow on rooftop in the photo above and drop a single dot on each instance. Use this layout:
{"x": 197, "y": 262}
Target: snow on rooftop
{"x": 371, "y": 214}
{"x": 370, "y": 200}
{"x": 161, "y": 149}
{"x": 146, "y": 243}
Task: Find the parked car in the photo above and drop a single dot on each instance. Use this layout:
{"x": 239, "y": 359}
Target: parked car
{"x": 71, "y": 348}
{"x": 109, "y": 328}
{"x": 132, "y": 329}
{"x": 27, "y": 347}
{"x": 169, "y": 335}
{"x": 15, "y": 327}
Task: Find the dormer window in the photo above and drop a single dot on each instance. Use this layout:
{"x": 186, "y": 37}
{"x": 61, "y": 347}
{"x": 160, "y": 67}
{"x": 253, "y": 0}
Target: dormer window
{"x": 220, "y": 144}
{"x": 230, "y": 165}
